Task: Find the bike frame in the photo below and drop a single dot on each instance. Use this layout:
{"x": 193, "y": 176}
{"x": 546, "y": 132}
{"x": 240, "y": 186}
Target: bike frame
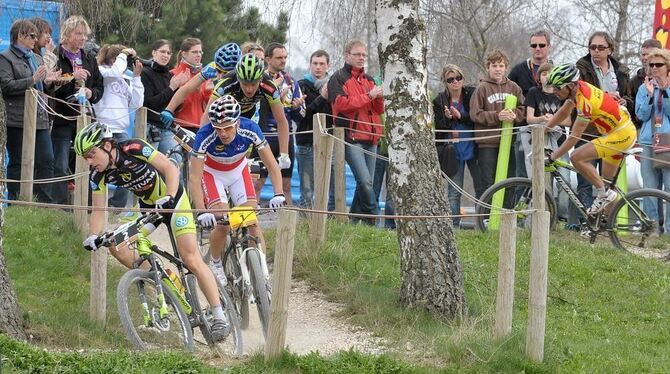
{"x": 593, "y": 222}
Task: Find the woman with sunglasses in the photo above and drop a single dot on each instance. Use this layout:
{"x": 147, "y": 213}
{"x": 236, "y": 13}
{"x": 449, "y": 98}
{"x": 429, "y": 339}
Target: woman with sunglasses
{"x": 452, "y": 112}
{"x": 20, "y": 70}
{"x": 652, "y": 107}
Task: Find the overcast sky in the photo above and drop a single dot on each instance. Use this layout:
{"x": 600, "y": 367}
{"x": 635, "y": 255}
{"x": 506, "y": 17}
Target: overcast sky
{"x": 302, "y": 38}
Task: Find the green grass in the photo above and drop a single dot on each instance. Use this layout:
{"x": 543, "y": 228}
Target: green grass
{"x": 606, "y": 309}
{"x": 23, "y": 358}
{"x": 50, "y": 271}
{"x": 605, "y": 313}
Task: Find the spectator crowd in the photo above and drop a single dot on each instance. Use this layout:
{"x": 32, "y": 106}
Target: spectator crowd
{"x": 116, "y": 82}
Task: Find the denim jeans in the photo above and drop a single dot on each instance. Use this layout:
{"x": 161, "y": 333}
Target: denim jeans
{"x": 119, "y": 198}
{"x": 362, "y": 165}
{"x": 381, "y": 170}
{"x": 305, "y": 157}
{"x": 165, "y": 144}
{"x": 61, "y": 140}
{"x": 584, "y": 187}
{"x": 519, "y": 158}
{"x": 657, "y": 179}
{"x": 487, "y": 162}
{"x": 454, "y": 194}
{"x": 43, "y": 163}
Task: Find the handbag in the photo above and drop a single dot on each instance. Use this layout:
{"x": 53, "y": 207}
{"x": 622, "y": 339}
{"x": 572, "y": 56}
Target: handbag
{"x": 447, "y": 156}
{"x": 660, "y": 147}
{"x": 661, "y": 150}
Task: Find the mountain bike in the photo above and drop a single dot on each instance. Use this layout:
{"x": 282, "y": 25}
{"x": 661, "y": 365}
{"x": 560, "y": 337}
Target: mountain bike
{"x": 158, "y": 307}
{"x": 245, "y": 267}
{"x": 634, "y": 222}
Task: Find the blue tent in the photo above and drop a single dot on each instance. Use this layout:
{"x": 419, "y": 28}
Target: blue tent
{"x": 11, "y": 10}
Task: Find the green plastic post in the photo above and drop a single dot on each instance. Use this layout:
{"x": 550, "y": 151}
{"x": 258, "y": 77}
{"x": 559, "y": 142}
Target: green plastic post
{"x": 622, "y": 183}
{"x": 504, "y": 152}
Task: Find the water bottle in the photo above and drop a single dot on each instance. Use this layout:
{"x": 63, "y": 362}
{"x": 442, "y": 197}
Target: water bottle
{"x": 176, "y": 281}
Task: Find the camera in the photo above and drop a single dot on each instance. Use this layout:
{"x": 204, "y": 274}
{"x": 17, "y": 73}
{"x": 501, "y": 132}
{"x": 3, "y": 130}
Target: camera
{"x": 131, "y": 61}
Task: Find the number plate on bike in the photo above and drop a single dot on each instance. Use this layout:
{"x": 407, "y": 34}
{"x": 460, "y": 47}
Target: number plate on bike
{"x": 126, "y": 237}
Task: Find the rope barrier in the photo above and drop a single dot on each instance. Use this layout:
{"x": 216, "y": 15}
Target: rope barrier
{"x": 45, "y": 180}
{"x": 257, "y": 209}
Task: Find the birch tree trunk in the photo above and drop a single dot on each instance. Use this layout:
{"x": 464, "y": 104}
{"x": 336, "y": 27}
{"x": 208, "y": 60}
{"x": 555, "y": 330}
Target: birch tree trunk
{"x": 431, "y": 272}
{"x": 11, "y": 321}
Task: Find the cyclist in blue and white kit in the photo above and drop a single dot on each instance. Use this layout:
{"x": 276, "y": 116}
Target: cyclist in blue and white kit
{"x": 220, "y": 162}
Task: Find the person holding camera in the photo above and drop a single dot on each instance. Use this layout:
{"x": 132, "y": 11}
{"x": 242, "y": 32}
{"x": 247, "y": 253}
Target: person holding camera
{"x": 123, "y": 93}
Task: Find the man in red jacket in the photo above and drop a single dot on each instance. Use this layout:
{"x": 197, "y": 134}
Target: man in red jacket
{"x": 357, "y": 105}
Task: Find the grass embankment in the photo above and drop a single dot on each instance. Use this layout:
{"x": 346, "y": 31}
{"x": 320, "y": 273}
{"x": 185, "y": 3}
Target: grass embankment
{"x": 606, "y": 309}
{"x": 51, "y": 274}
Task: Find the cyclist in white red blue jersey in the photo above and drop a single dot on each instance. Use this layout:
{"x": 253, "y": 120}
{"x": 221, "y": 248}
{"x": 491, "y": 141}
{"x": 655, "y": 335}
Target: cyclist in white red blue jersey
{"x": 220, "y": 167}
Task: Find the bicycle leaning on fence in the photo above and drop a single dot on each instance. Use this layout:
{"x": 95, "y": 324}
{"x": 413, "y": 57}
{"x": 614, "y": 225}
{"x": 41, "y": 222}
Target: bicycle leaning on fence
{"x": 634, "y": 222}
{"x": 158, "y": 307}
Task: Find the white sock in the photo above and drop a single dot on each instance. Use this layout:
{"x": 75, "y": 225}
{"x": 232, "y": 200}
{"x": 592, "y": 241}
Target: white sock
{"x": 217, "y": 312}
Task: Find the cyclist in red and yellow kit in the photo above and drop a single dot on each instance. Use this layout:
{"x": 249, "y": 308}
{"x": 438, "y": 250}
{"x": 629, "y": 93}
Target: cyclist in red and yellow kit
{"x": 598, "y": 108}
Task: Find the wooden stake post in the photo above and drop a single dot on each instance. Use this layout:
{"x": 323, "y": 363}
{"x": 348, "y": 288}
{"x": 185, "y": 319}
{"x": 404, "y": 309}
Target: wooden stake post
{"x": 539, "y": 255}
{"x": 506, "y": 268}
{"x": 140, "y": 123}
{"x": 28, "y": 145}
{"x": 81, "y": 183}
{"x": 340, "y": 178}
{"x": 323, "y": 153}
{"x": 281, "y": 284}
{"x": 98, "y": 291}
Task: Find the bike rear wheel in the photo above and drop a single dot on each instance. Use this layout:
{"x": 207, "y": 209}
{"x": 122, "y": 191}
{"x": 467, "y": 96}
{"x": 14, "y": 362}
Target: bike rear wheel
{"x": 236, "y": 290}
{"x": 144, "y": 326}
{"x": 261, "y": 288}
{"x": 232, "y": 345}
{"x": 518, "y": 196}
{"x": 637, "y": 226}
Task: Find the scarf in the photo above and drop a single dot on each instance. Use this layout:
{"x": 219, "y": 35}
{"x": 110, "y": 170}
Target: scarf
{"x": 32, "y": 61}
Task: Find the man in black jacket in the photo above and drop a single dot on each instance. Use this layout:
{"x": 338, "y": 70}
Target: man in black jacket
{"x": 83, "y": 68}
{"x": 525, "y": 74}
{"x": 314, "y": 87}
{"x": 20, "y": 70}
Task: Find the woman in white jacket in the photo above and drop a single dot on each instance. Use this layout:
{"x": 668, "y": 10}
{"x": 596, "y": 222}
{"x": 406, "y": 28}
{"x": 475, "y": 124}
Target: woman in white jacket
{"x": 123, "y": 94}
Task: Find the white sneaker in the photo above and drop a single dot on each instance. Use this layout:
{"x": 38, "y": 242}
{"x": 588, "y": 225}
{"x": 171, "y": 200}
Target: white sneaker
{"x": 600, "y": 202}
{"x": 217, "y": 269}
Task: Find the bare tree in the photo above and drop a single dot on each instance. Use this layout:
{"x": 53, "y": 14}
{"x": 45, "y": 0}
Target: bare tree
{"x": 431, "y": 272}
{"x": 11, "y": 321}
{"x": 629, "y": 22}
{"x": 344, "y": 21}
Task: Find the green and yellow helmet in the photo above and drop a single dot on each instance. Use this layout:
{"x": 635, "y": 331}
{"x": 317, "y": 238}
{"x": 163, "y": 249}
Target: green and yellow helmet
{"x": 562, "y": 74}
{"x": 91, "y": 136}
{"x": 249, "y": 68}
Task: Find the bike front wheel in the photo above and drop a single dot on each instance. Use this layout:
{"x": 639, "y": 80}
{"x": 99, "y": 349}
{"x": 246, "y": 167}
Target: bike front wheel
{"x": 518, "y": 196}
{"x": 148, "y": 322}
{"x": 638, "y": 223}
{"x": 261, "y": 289}
{"x": 232, "y": 345}
{"x": 235, "y": 288}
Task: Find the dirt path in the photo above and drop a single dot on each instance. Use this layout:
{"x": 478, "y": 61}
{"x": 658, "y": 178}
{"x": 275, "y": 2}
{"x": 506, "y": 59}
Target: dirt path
{"x": 312, "y": 321}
